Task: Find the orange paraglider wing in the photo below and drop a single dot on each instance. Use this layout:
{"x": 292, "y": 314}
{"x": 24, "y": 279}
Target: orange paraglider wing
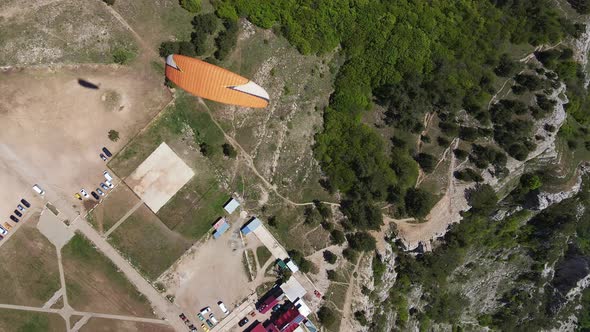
{"x": 215, "y": 83}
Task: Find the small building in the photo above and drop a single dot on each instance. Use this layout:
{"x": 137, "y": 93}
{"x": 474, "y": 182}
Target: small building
{"x": 219, "y": 222}
{"x": 231, "y": 205}
{"x": 303, "y": 308}
{"x": 292, "y": 266}
{"x": 293, "y": 289}
{"x": 251, "y": 226}
{"x": 224, "y": 227}
{"x": 258, "y": 328}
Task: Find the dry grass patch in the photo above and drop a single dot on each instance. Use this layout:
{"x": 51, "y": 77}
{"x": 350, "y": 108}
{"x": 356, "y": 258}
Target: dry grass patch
{"x": 119, "y": 202}
{"x": 29, "y": 321}
{"x": 94, "y": 284}
{"x": 108, "y": 325}
{"x": 28, "y": 267}
{"x": 148, "y": 243}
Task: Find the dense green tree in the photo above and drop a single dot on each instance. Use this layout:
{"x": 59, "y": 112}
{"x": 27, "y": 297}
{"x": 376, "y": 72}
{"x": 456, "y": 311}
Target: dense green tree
{"x": 361, "y": 241}
{"x": 226, "y": 39}
{"x": 329, "y": 256}
{"x": 418, "y": 202}
{"x": 337, "y": 236}
{"x": 482, "y": 199}
{"x": 426, "y": 161}
{"x": 229, "y": 151}
{"x": 326, "y": 316}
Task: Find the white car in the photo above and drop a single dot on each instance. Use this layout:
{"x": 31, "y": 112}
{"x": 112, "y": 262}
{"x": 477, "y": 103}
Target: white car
{"x": 104, "y": 186}
{"x": 3, "y": 231}
{"x": 222, "y": 307}
{"x": 109, "y": 184}
{"x": 84, "y": 193}
{"x": 107, "y": 176}
{"x": 100, "y": 192}
{"x": 213, "y": 319}
{"x": 38, "y": 190}
{"x": 205, "y": 311}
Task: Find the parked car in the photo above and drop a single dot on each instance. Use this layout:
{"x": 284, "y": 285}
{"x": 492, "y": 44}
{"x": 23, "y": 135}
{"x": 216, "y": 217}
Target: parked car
{"x": 20, "y": 207}
{"x": 3, "y": 231}
{"x": 102, "y": 156}
{"x": 13, "y": 218}
{"x": 205, "y": 311}
{"x": 1, "y": 237}
{"x": 25, "y": 203}
{"x": 201, "y": 317}
{"x": 104, "y": 186}
{"x": 84, "y": 193}
{"x": 107, "y": 152}
{"x": 183, "y": 317}
{"x": 109, "y": 184}
{"x": 76, "y": 195}
{"x": 209, "y": 323}
{"x": 38, "y": 190}
{"x": 100, "y": 192}
{"x": 222, "y": 307}
{"x": 18, "y": 214}
{"x": 107, "y": 176}
{"x": 277, "y": 307}
{"x": 213, "y": 319}
{"x": 7, "y": 225}
{"x": 204, "y": 327}
{"x": 95, "y": 195}
{"x": 243, "y": 322}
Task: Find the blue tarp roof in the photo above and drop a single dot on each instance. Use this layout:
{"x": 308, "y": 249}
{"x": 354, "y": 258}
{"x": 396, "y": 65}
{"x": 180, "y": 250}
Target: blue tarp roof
{"x": 221, "y": 230}
{"x": 252, "y": 225}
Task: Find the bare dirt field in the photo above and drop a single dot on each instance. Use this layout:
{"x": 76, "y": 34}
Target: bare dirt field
{"x": 159, "y": 177}
{"x": 28, "y": 267}
{"x": 113, "y": 207}
{"x": 211, "y": 271}
{"x": 59, "y": 31}
{"x": 109, "y": 325}
{"x": 94, "y": 283}
{"x": 148, "y": 243}
{"x": 52, "y": 128}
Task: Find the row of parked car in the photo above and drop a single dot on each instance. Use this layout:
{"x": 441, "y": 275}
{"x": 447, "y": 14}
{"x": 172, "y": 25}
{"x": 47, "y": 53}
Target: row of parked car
{"x": 103, "y": 187}
{"x": 211, "y": 321}
{"x": 19, "y": 212}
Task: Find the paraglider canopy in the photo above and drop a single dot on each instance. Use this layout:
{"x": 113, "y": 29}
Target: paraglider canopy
{"x": 215, "y": 83}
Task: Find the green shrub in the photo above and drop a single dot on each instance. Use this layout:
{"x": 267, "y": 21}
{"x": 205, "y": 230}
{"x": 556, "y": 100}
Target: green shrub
{"x": 193, "y": 6}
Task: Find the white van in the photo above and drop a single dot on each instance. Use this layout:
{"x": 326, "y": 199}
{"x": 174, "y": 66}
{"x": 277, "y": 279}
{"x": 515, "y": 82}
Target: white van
{"x": 107, "y": 176}
{"x": 38, "y": 190}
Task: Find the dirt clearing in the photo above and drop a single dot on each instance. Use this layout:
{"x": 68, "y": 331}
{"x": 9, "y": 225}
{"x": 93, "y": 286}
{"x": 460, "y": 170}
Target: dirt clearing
{"x": 28, "y": 267}
{"x": 52, "y": 128}
{"x": 148, "y": 244}
{"x": 211, "y": 272}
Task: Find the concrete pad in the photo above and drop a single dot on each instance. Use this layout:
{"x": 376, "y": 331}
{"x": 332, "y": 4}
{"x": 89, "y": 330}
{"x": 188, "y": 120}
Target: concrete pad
{"x": 159, "y": 177}
{"x": 54, "y": 229}
{"x": 270, "y": 242}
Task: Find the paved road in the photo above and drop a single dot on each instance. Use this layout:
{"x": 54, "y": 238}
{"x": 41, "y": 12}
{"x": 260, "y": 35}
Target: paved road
{"x": 162, "y": 306}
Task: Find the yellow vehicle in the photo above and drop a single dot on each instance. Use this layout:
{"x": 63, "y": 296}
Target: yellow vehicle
{"x": 7, "y": 225}
{"x": 76, "y": 195}
{"x": 204, "y": 327}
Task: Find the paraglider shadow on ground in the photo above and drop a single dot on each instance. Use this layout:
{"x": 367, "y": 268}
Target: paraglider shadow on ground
{"x": 87, "y": 84}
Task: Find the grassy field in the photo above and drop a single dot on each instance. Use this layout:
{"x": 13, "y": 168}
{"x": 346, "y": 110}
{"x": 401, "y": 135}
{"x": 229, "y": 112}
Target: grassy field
{"x": 336, "y": 295}
{"x": 263, "y": 255}
{"x": 60, "y": 32}
{"x": 108, "y": 325}
{"x": 94, "y": 283}
{"x": 148, "y": 243}
{"x": 28, "y": 321}
{"x": 28, "y": 267}
{"x": 119, "y": 201}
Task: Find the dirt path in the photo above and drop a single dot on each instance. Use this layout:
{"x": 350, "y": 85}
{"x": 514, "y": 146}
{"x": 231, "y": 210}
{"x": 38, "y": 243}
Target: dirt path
{"x": 123, "y": 218}
{"x": 250, "y": 162}
{"x": 346, "y": 314}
